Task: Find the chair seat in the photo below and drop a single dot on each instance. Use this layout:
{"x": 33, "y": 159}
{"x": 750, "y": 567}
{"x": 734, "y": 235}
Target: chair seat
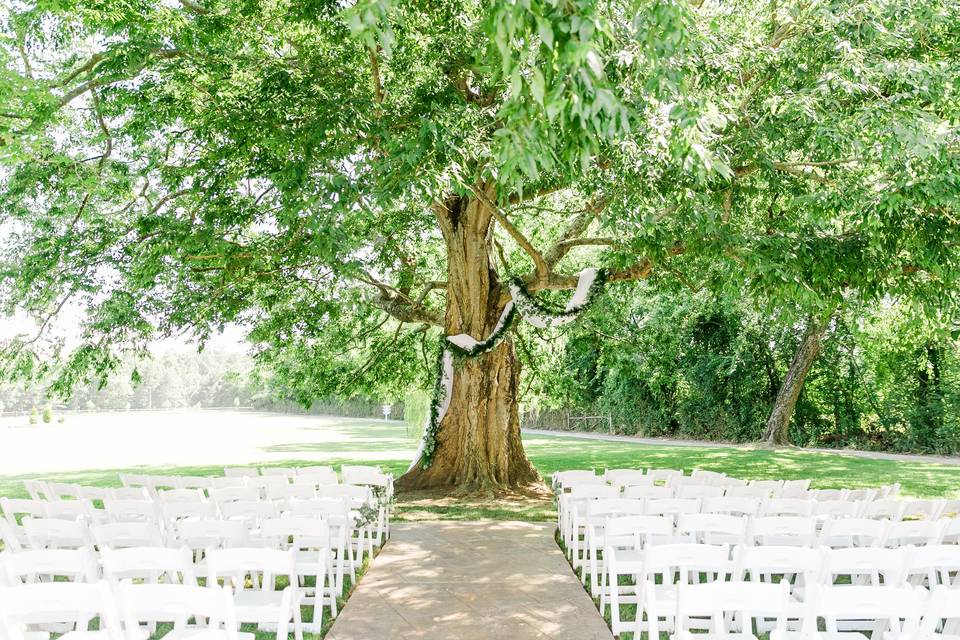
{"x": 258, "y": 606}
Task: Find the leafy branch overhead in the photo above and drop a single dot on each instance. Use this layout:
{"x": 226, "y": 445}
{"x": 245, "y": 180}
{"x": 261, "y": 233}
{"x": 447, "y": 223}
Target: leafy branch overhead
{"x": 178, "y": 166}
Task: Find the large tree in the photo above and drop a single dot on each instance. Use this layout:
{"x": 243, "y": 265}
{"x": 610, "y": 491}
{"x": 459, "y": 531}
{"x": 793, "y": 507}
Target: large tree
{"x": 348, "y": 179}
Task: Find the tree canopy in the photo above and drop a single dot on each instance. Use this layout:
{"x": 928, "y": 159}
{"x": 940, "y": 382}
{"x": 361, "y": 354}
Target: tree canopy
{"x": 183, "y": 165}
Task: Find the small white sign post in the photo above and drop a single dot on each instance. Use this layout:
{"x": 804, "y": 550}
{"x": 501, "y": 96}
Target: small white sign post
{"x": 386, "y": 411}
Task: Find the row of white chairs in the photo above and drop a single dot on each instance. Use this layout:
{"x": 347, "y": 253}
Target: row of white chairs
{"x": 748, "y": 610}
{"x": 164, "y": 513}
{"x": 312, "y": 546}
{"x": 668, "y": 568}
{"x": 735, "y": 487}
{"x": 128, "y": 611}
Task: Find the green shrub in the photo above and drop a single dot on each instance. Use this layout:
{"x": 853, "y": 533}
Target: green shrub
{"x": 47, "y": 414}
{"x": 34, "y": 416}
{"x": 416, "y": 405}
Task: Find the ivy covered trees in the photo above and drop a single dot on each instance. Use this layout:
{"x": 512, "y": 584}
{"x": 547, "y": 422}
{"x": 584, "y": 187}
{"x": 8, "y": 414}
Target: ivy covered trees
{"x": 347, "y": 180}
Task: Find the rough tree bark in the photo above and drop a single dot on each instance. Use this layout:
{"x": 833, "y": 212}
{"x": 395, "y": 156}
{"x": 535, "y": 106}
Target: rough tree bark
{"x": 478, "y": 443}
{"x": 778, "y": 424}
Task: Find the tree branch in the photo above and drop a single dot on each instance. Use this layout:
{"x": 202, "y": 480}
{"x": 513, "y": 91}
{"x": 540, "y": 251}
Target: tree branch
{"x": 375, "y": 71}
{"x": 543, "y": 269}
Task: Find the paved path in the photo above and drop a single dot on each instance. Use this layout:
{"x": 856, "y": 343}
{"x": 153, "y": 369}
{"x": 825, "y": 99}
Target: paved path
{"x": 666, "y": 442}
{"x": 483, "y": 580}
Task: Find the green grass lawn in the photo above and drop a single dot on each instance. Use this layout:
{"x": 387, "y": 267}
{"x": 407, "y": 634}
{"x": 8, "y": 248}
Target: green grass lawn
{"x": 387, "y": 444}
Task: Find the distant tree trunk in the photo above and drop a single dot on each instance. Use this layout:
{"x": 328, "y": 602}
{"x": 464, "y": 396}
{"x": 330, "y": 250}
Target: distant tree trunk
{"x": 478, "y": 444}
{"x": 778, "y": 424}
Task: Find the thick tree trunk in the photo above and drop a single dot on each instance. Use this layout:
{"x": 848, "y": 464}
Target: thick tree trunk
{"x": 778, "y": 424}
{"x": 478, "y": 443}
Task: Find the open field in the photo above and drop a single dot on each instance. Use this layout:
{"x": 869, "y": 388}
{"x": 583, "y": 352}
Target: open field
{"x": 94, "y": 449}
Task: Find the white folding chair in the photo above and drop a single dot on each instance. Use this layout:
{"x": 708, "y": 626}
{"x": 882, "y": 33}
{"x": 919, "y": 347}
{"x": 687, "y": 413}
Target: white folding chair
{"x": 932, "y": 565}
{"x": 757, "y": 493}
{"x": 62, "y": 491}
{"x": 798, "y": 566}
{"x": 949, "y": 509}
{"x": 574, "y": 511}
{"x": 915, "y": 532}
{"x": 228, "y": 482}
{"x": 175, "y": 511}
{"x": 51, "y": 533}
{"x": 862, "y": 495}
{"x": 196, "y": 482}
{"x": 941, "y": 615}
{"x": 792, "y": 531}
{"x": 288, "y": 491}
{"x": 598, "y": 512}
{"x": 922, "y": 509}
{"x": 121, "y": 535}
{"x": 774, "y": 488}
{"x": 734, "y": 609}
{"x": 36, "y": 489}
{"x": 122, "y": 493}
{"x": 563, "y": 480}
{"x": 261, "y": 603}
{"x": 48, "y": 565}
{"x": 624, "y": 539}
{"x": 862, "y": 566}
{"x": 203, "y": 534}
{"x": 853, "y": 532}
{"x": 73, "y": 604}
{"x": 950, "y": 534}
{"x": 731, "y": 506}
{"x": 284, "y": 472}
{"x": 172, "y": 565}
{"x": 829, "y": 494}
{"x": 381, "y": 488}
{"x": 260, "y": 483}
{"x": 337, "y": 514}
{"x": 73, "y": 509}
{"x": 144, "y": 605}
{"x": 15, "y": 509}
{"x": 882, "y": 610}
{"x": 836, "y": 509}
{"x": 251, "y": 512}
{"x": 673, "y": 564}
{"x": 313, "y": 545}
{"x": 708, "y": 477}
{"x": 359, "y": 498}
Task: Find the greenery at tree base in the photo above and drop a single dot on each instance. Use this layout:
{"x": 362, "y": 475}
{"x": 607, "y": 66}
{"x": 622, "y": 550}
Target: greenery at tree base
{"x": 173, "y": 167}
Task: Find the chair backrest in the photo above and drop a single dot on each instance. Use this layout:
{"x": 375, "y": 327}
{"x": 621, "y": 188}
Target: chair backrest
{"x": 915, "y": 532}
{"x": 14, "y": 507}
{"x": 794, "y": 531}
{"x": 195, "y": 482}
{"x": 787, "y": 507}
{"x": 120, "y": 535}
{"x": 800, "y": 565}
{"x": 126, "y": 493}
{"x": 357, "y": 495}
{"x": 708, "y": 477}
{"x": 759, "y": 493}
{"x": 942, "y": 612}
{"x": 665, "y": 476}
{"x": 950, "y": 533}
{"x": 74, "y": 603}
{"x": 249, "y": 511}
{"x": 173, "y": 511}
{"x": 712, "y": 528}
{"x": 284, "y": 472}
{"x": 828, "y": 494}
{"x": 72, "y": 509}
{"x": 135, "y": 480}
{"x": 731, "y": 506}
{"x": 52, "y": 533}
{"x": 889, "y": 491}
{"x": 853, "y": 532}
{"x": 795, "y": 489}
{"x": 233, "y": 494}
{"x": 672, "y": 506}
{"x": 227, "y": 482}
{"x": 361, "y": 475}
{"x": 9, "y": 537}
{"x": 884, "y": 510}
{"x": 46, "y": 565}
{"x": 287, "y": 491}
{"x": 950, "y": 509}
{"x": 699, "y": 491}
{"x": 151, "y": 603}
{"x": 623, "y": 477}
{"x": 922, "y": 509}
{"x": 240, "y": 472}
{"x": 205, "y": 533}
{"x": 635, "y": 491}
{"x": 336, "y": 510}
{"x": 36, "y": 489}
{"x": 837, "y": 508}
{"x": 62, "y": 490}
{"x": 132, "y": 510}
{"x": 897, "y": 609}
{"x": 877, "y": 566}
{"x": 151, "y": 564}
{"x": 931, "y": 565}
{"x": 772, "y": 486}
{"x": 170, "y": 496}
{"x": 746, "y": 601}
{"x": 566, "y": 479}
{"x": 637, "y": 532}
{"x": 686, "y": 562}
{"x": 301, "y": 533}
{"x": 316, "y": 475}
{"x": 861, "y": 495}
{"x": 598, "y": 510}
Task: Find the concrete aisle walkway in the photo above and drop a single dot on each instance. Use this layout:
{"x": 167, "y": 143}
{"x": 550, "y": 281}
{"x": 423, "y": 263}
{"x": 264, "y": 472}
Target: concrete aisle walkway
{"x": 470, "y": 581}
